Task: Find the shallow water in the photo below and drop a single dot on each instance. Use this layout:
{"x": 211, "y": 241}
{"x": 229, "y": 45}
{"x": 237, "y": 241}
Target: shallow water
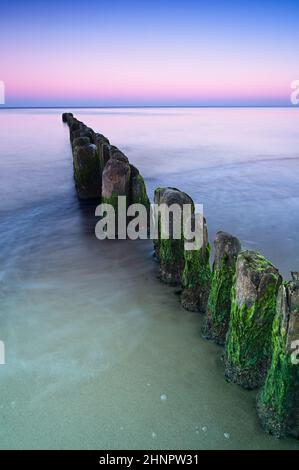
{"x": 99, "y": 354}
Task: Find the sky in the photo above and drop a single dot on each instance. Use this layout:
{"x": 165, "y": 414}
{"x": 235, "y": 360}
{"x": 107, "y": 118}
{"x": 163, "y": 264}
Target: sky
{"x": 148, "y": 53}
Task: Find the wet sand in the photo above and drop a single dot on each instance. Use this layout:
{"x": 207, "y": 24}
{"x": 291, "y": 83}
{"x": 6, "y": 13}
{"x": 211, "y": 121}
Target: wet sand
{"x": 99, "y": 354}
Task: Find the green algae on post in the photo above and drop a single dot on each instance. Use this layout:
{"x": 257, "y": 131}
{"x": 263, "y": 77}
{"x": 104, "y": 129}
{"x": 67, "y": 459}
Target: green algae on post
{"x": 227, "y": 248}
{"x": 196, "y": 278}
{"x": 138, "y": 191}
{"x": 170, "y": 250}
{"x": 103, "y": 146}
{"x": 101, "y": 169}
{"x": 116, "y": 178}
{"x": 278, "y": 401}
{"x": 87, "y": 172}
{"x": 248, "y": 345}
{"x": 138, "y": 195}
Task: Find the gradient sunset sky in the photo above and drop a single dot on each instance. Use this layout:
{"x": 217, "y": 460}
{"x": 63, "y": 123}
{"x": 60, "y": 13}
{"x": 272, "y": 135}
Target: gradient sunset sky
{"x": 109, "y": 53}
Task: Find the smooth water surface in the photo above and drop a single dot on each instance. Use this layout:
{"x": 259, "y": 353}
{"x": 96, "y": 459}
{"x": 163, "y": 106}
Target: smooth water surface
{"x": 93, "y": 340}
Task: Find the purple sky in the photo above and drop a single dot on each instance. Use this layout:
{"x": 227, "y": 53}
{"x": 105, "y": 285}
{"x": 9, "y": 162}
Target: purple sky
{"x": 100, "y": 53}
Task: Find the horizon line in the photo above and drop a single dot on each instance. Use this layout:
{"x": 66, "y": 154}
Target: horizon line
{"x": 148, "y": 106}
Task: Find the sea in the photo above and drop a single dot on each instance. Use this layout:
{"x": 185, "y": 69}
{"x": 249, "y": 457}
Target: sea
{"x": 98, "y": 353}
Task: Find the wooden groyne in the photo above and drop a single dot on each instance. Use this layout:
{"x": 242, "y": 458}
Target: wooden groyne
{"x": 278, "y": 400}
{"x": 246, "y": 305}
{"x": 227, "y": 248}
{"x": 101, "y": 171}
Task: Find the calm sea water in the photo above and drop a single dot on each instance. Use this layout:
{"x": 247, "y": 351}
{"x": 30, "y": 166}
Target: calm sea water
{"x": 93, "y": 340}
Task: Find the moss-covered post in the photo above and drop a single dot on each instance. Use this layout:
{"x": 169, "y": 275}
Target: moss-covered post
{"x": 138, "y": 194}
{"x": 87, "y": 172}
{"x": 248, "y": 344}
{"x": 227, "y": 248}
{"x": 102, "y": 144}
{"x": 80, "y": 142}
{"x": 101, "y": 169}
{"x": 66, "y": 117}
{"x": 81, "y": 132}
{"x": 169, "y": 249}
{"x": 196, "y": 278}
{"x": 116, "y": 178}
{"x": 74, "y": 125}
{"x": 278, "y": 401}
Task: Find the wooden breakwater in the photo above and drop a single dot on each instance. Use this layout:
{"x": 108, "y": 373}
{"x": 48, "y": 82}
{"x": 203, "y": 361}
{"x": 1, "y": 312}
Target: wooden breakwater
{"x": 246, "y": 305}
{"x": 101, "y": 171}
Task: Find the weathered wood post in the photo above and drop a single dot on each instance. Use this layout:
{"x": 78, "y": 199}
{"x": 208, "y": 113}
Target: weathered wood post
{"x": 103, "y": 146}
{"x": 87, "y": 172}
{"x": 81, "y": 132}
{"x": 116, "y": 178}
{"x": 169, "y": 249}
{"x": 101, "y": 169}
{"x": 278, "y": 401}
{"x": 227, "y": 248}
{"x": 66, "y": 117}
{"x": 81, "y": 141}
{"x": 248, "y": 345}
{"x": 138, "y": 194}
{"x": 196, "y": 278}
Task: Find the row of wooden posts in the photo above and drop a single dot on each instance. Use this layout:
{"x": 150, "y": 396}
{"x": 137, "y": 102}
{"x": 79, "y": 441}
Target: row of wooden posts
{"x": 247, "y": 306}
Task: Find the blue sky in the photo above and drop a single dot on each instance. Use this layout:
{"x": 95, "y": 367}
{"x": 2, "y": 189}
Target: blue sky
{"x": 100, "y": 53}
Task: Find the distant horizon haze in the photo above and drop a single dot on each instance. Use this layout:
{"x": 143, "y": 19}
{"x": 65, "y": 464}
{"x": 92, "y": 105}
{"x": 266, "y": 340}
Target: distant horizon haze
{"x": 129, "y": 53}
